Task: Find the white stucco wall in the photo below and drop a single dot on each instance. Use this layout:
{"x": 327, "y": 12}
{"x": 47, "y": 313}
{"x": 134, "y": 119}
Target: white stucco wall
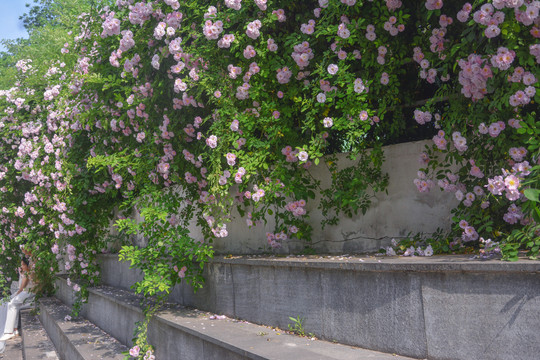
{"x": 404, "y": 210}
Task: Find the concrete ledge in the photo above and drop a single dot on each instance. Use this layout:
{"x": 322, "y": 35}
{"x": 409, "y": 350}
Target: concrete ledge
{"x": 187, "y": 334}
{"x": 36, "y": 344}
{"x": 76, "y": 339}
{"x": 437, "y": 308}
{"x": 455, "y": 263}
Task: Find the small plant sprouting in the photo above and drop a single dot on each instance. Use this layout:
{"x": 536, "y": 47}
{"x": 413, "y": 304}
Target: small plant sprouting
{"x": 297, "y": 326}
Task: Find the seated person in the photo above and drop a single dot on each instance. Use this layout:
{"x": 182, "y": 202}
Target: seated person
{"x": 11, "y": 309}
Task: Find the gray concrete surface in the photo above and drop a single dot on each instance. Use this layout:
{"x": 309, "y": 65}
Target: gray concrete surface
{"x": 443, "y": 307}
{"x": 188, "y": 334}
{"x": 76, "y": 339}
{"x": 13, "y": 349}
{"x": 36, "y": 344}
{"x": 493, "y": 317}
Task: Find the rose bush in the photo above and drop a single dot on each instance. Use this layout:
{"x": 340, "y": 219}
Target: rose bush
{"x": 171, "y": 112}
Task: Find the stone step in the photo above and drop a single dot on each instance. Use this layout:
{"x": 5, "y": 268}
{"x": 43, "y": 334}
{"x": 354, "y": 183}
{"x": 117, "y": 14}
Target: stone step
{"x": 76, "y": 339}
{"x": 12, "y": 349}
{"x": 36, "y": 345}
{"x": 188, "y": 334}
{"x": 441, "y": 307}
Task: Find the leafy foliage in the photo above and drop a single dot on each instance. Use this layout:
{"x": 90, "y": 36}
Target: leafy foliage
{"x": 151, "y": 116}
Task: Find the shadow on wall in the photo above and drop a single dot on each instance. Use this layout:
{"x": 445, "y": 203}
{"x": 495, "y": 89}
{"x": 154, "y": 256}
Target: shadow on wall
{"x": 401, "y": 212}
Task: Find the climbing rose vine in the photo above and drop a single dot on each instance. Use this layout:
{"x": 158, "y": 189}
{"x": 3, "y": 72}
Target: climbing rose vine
{"x": 155, "y": 114}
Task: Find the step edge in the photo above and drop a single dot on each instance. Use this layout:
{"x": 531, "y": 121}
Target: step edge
{"x": 457, "y": 263}
{"x": 64, "y": 334}
{"x": 238, "y": 349}
{"x": 23, "y": 314}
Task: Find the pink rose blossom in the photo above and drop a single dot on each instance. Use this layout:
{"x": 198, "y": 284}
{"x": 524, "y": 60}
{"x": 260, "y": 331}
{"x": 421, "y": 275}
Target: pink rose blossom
{"x": 327, "y": 122}
{"x": 212, "y": 141}
{"x": 332, "y": 69}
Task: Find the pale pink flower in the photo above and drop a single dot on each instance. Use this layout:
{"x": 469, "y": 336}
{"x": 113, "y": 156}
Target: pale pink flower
{"x": 327, "y": 122}
{"x": 476, "y": 172}
{"x": 271, "y": 45}
{"x": 231, "y": 159}
{"x": 434, "y": 4}
{"x": 363, "y": 115}
{"x": 512, "y": 194}
{"x": 182, "y": 272}
{"x": 283, "y": 75}
{"x": 384, "y": 78}
{"x": 494, "y": 129}
{"x": 492, "y": 31}
{"x": 343, "y": 32}
{"x": 280, "y": 13}
{"x": 249, "y": 52}
{"x": 511, "y": 182}
{"x": 212, "y": 141}
{"x": 134, "y": 351}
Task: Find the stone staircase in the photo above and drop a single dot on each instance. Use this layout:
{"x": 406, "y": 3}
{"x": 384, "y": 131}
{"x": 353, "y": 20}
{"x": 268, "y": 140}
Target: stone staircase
{"x": 36, "y": 344}
{"x": 435, "y": 308}
{"x": 13, "y": 350}
{"x": 183, "y": 333}
{"x": 49, "y": 336}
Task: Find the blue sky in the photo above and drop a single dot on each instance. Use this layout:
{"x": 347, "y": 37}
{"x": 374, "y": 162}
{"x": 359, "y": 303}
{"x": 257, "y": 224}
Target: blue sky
{"x": 10, "y": 25}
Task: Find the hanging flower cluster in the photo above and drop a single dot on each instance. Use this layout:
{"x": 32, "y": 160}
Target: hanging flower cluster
{"x": 186, "y": 110}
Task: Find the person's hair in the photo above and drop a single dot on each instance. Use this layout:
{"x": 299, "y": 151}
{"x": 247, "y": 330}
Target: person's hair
{"x": 25, "y": 260}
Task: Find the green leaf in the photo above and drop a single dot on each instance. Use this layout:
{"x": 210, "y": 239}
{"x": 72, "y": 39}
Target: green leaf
{"x": 532, "y": 194}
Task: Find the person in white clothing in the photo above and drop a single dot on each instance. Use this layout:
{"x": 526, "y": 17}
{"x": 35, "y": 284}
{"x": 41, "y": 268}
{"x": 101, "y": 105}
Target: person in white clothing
{"x": 23, "y": 293}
